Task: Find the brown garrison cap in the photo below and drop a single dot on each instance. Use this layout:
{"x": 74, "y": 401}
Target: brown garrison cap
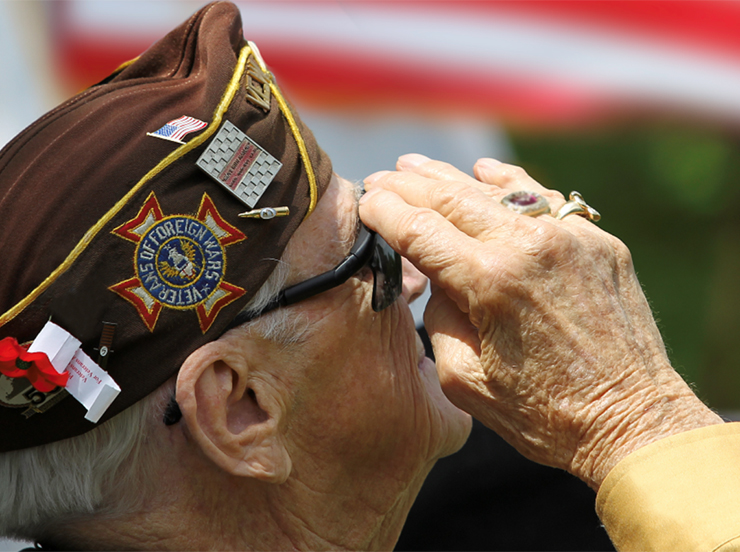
{"x": 119, "y": 215}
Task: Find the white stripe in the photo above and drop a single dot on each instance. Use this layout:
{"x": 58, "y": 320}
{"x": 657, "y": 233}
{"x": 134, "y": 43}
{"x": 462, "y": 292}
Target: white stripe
{"x": 185, "y": 125}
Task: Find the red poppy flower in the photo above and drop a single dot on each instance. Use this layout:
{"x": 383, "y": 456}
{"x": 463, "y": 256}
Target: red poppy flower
{"x": 17, "y": 362}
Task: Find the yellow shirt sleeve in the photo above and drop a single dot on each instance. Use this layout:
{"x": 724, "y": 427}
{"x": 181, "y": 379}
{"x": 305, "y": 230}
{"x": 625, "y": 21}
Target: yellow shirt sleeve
{"x": 681, "y": 493}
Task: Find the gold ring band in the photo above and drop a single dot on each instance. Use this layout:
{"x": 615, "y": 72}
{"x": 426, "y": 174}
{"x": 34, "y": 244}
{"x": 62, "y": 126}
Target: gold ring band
{"x": 577, "y": 206}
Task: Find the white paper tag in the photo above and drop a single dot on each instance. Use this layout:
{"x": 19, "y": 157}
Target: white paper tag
{"x": 91, "y": 385}
{"x": 88, "y": 383}
{"x": 59, "y": 345}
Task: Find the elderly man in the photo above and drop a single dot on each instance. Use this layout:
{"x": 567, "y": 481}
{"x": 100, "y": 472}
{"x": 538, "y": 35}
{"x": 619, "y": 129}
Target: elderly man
{"x": 147, "y": 216}
{"x": 167, "y": 383}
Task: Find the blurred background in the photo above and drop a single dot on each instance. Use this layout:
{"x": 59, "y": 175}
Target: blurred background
{"x": 635, "y": 104}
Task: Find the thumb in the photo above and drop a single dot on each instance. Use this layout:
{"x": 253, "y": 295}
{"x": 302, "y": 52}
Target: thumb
{"x": 456, "y": 345}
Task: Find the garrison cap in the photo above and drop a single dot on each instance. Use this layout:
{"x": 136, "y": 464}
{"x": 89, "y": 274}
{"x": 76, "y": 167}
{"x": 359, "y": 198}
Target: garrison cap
{"x": 119, "y": 217}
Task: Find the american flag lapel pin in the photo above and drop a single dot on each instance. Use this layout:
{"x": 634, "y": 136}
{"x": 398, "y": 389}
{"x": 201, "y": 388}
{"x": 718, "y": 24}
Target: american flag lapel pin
{"x": 177, "y": 129}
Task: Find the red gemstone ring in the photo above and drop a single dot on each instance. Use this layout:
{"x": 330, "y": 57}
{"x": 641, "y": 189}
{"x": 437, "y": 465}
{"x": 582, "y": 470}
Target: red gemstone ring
{"x": 526, "y": 203}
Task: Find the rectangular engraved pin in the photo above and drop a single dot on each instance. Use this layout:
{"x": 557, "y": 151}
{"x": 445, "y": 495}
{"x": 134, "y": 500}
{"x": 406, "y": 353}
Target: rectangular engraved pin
{"x": 239, "y": 164}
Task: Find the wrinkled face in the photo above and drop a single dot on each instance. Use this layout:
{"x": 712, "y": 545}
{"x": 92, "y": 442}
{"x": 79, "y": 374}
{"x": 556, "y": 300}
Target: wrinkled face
{"x": 367, "y": 400}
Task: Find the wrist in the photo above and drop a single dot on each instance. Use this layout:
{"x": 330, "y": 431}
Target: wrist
{"x": 635, "y": 421}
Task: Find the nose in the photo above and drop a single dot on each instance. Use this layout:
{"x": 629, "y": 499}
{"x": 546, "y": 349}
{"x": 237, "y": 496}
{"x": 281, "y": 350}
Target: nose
{"x": 414, "y": 282}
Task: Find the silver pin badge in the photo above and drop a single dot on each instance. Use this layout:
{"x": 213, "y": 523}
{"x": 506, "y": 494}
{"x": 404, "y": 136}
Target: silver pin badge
{"x": 266, "y": 213}
{"x": 239, "y": 164}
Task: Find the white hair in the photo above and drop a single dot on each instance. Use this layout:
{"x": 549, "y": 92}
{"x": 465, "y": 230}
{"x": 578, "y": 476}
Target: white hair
{"x": 46, "y": 486}
{"x": 102, "y": 472}
{"x": 282, "y": 326}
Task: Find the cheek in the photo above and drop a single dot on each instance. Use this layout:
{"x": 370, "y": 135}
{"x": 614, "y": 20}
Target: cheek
{"x": 364, "y": 374}
{"x": 386, "y": 364}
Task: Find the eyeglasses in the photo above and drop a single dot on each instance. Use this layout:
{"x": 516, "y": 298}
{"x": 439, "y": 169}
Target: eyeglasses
{"x": 369, "y": 248}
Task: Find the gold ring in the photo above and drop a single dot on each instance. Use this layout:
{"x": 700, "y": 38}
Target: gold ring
{"x": 526, "y": 203}
{"x": 578, "y": 206}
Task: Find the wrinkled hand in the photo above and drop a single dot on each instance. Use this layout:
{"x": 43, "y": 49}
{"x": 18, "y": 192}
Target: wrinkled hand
{"x": 539, "y": 326}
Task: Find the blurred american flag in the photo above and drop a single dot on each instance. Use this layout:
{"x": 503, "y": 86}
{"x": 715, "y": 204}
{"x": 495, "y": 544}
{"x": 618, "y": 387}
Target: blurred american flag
{"x": 532, "y": 62}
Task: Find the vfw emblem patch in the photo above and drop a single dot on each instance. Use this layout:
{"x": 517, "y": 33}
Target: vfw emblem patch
{"x": 180, "y": 262}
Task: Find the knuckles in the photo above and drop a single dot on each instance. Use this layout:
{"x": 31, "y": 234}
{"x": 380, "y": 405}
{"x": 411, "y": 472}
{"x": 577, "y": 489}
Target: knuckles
{"x": 415, "y": 232}
{"x": 439, "y": 170}
{"x": 451, "y": 196}
{"x": 622, "y": 254}
{"x": 413, "y": 227}
{"x": 512, "y": 173}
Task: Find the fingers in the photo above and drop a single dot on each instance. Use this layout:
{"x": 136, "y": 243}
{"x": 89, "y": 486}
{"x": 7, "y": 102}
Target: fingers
{"x": 444, "y": 321}
{"x": 512, "y": 178}
{"x": 503, "y": 175}
{"x": 456, "y": 346}
{"x": 427, "y": 239}
{"x": 442, "y": 221}
{"x": 437, "y": 170}
{"x": 493, "y": 178}
{"x": 488, "y": 172}
{"x": 509, "y": 177}
{"x": 492, "y": 187}
{"x": 462, "y": 203}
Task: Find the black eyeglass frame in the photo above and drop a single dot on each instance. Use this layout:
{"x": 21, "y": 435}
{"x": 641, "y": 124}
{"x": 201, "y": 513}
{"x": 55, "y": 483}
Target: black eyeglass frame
{"x": 369, "y": 248}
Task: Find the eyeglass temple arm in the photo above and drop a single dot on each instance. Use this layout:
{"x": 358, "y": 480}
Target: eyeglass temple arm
{"x": 352, "y": 263}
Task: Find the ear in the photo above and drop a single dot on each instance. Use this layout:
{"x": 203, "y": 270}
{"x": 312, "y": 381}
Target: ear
{"x": 234, "y": 416}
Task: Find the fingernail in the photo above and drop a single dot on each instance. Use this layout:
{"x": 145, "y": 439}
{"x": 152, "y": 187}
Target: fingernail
{"x": 411, "y": 160}
{"x": 375, "y": 176}
{"x": 489, "y": 162}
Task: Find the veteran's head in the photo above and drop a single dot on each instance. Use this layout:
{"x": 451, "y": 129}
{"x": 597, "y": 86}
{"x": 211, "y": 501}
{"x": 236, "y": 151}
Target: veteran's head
{"x": 201, "y": 345}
